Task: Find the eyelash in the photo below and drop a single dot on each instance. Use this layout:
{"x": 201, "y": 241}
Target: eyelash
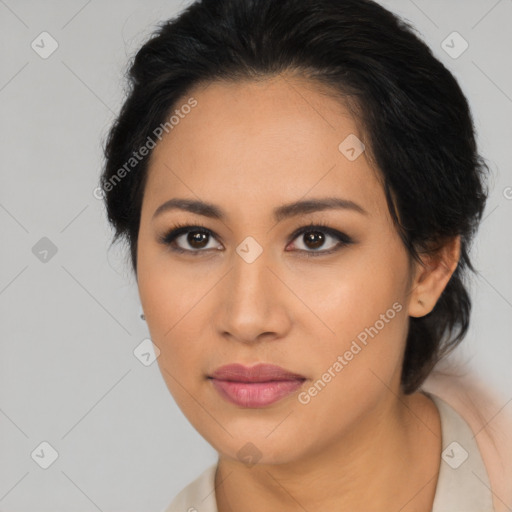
{"x": 178, "y": 229}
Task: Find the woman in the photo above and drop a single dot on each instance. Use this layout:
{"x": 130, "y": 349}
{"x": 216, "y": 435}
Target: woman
{"x": 298, "y": 182}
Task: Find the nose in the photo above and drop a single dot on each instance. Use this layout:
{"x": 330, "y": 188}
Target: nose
{"x": 253, "y": 305}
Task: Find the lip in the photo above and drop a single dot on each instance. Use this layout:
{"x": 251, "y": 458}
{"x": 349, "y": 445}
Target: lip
{"x": 255, "y": 386}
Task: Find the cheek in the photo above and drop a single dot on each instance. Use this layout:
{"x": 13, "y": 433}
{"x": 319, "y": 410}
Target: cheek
{"x": 359, "y": 314}
{"x": 172, "y": 305}
{"x": 352, "y": 293}
{"x": 168, "y": 291}
{"x": 354, "y": 369}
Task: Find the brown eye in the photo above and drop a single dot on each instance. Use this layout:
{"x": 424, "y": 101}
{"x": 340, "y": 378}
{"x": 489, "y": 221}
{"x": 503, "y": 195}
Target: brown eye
{"x": 314, "y": 239}
{"x": 197, "y": 239}
{"x": 317, "y": 240}
{"x": 191, "y": 239}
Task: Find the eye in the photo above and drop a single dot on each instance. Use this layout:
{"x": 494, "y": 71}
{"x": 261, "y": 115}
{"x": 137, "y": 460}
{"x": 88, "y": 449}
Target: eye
{"x": 315, "y": 236}
{"x": 197, "y": 239}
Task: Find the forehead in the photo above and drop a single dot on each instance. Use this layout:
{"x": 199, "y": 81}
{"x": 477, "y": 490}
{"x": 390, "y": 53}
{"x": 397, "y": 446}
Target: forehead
{"x": 272, "y": 140}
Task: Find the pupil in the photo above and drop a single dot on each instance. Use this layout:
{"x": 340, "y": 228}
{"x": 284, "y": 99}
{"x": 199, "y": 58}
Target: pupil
{"x": 196, "y": 238}
{"x": 316, "y": 238}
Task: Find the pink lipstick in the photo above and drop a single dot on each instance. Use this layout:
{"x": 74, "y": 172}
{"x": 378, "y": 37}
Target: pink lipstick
{"x": 255, "y": 386}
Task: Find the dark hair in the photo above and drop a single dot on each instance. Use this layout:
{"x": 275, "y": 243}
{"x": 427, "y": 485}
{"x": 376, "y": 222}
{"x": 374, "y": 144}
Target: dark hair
{"x": 418, "y": 128}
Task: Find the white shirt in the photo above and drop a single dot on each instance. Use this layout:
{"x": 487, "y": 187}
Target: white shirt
{"x": 462, "y": 486}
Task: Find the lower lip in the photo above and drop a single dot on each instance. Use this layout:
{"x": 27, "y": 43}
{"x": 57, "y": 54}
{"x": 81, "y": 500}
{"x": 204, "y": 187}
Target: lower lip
{"x": 255, "y": 394}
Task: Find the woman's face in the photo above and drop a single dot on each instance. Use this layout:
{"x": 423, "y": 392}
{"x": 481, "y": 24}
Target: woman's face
{"x": 254, "y": 290}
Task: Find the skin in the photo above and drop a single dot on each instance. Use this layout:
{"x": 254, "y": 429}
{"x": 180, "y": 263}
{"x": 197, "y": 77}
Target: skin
{"x": 360, "y": 443}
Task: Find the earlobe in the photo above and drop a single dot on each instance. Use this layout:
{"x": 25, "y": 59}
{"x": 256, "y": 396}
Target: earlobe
{"x": 432, "y": 276}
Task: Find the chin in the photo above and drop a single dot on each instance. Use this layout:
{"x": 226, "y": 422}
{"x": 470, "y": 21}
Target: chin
{"x": 250, "y": 447}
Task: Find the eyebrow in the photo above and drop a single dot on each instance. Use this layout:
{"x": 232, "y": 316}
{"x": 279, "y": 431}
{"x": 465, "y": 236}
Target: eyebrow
{"x": 282, "y": 212}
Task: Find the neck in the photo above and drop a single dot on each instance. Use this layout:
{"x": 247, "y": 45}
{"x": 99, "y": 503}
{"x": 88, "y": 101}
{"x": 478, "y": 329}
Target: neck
{"x": 389, "y": 462}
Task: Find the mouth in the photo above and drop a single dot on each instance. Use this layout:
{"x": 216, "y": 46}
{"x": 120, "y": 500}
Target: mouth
{"x": 256, "y": 386}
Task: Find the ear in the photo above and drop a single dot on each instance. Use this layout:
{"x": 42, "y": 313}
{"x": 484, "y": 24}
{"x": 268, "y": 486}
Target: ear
{"x": 431, "y": 277}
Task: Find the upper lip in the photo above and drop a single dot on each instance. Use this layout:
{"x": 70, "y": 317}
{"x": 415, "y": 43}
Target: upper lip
{"x": 257, "y": 373}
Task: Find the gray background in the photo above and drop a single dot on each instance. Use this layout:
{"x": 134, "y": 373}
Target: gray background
{"x": 70, "y": 323}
